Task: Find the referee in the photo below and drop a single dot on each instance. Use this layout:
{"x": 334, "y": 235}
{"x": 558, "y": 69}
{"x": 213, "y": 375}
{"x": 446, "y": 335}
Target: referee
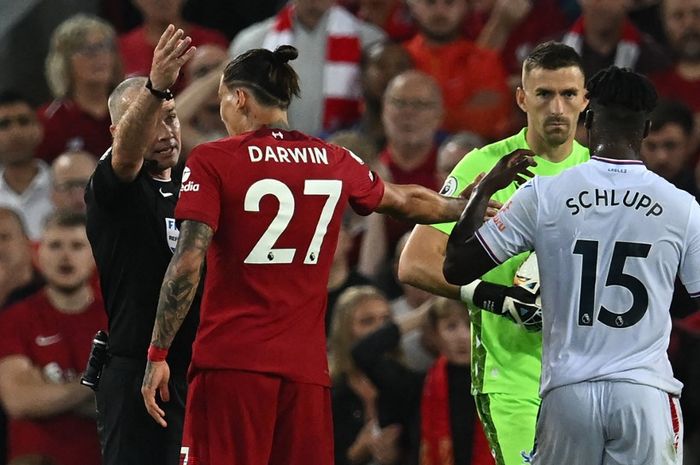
{"x": 130, "y": 208}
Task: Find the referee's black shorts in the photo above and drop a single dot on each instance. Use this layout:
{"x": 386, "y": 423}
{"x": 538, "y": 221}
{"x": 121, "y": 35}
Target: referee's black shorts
{"x": 128, "y": 434}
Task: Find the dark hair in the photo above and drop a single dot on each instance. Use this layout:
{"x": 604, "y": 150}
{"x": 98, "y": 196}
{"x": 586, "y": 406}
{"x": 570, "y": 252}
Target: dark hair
{"x": 623, "y": 90}
{"x": 65, "y": 219}
{"x": 10, "y": 97}
{"x": 266, "y": 74}
{"x": 552, "y": 56}
{"x": 672, "y": 112}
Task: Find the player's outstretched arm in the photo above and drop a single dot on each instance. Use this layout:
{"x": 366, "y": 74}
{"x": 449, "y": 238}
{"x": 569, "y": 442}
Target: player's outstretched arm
{"x": 135, "y": 130}
{"x": 462, "y": 248}
{"x": 176, "y": 295}
{"x": 419, "y": 205}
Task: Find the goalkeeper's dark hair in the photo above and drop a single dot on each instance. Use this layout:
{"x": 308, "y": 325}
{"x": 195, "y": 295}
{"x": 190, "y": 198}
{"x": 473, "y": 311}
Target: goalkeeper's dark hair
{"x": 552, "y": 56}
{"x": 622, "y": 90}
{"x": 267, "y": 75}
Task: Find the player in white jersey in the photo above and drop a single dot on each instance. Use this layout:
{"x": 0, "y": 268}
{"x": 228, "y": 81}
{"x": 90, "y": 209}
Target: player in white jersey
{"x": 610, "y": 236}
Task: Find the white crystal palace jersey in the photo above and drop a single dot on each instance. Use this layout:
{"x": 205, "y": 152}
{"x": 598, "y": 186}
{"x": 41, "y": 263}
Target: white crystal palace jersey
{"x": 610, "y": 237}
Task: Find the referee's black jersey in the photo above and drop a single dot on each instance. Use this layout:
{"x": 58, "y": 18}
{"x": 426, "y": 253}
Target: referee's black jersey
{"x": 131, "y": 228}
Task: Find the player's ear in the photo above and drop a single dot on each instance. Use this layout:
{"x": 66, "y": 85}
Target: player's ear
{"x": 520, "y": 98}
{"x": 647, "y": 128}
{"x": 241, "y": 97}
{"x": 588, "y": 120}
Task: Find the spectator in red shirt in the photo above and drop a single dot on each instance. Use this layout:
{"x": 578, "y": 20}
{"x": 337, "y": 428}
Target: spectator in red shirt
{"x": 136, "y": 46}
{"x": 82, "y": 68}
{"x": 44, "y": 343}
{"x": 472, "y": 79}
{"x": 18, "y": 279}
{"x": 682, "y": 80}
{"x": 270, "y": 232}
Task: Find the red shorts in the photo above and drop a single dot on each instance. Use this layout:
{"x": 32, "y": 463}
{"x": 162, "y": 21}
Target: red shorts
{"x": 246, "y": 418}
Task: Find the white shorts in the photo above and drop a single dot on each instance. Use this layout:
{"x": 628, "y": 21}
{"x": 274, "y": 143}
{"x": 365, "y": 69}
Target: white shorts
{"x": 609, "y": 423}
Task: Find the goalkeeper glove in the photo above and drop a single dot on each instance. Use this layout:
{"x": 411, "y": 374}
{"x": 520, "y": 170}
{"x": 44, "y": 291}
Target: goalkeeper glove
{"x": 520, "y": 304}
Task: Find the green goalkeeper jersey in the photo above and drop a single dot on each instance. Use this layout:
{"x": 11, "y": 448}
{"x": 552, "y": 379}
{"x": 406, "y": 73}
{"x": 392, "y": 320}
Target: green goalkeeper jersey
{"x": 505, "y": 357}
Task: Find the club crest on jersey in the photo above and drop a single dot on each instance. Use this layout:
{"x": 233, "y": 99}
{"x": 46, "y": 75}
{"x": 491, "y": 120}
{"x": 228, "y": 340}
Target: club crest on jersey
{"x": 450, "y": 186}
{"x": 171, "y": 233}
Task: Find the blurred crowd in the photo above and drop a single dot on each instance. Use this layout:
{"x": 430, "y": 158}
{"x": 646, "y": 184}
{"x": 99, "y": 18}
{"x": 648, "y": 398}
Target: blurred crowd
{"x": 410, "y": 86}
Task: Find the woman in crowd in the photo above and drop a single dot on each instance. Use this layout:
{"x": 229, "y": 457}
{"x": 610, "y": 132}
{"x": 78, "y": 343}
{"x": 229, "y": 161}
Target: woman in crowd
{"x": 82, "y": 68}
{"x": 438, "y": 412}
{"x": 357, "y": 411}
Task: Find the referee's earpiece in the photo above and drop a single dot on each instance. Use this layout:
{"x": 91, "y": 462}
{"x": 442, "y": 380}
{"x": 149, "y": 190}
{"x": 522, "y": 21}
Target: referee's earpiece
{"x": 588, "y": 120}
{"x": 647, "y": 128}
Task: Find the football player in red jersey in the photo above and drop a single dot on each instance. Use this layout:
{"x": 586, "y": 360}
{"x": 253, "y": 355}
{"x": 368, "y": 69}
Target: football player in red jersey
{"x": 265, "y": 206}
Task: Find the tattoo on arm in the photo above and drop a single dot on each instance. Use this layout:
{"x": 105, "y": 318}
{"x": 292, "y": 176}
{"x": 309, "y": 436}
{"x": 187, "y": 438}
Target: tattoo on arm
{"x": 181, "y": 281}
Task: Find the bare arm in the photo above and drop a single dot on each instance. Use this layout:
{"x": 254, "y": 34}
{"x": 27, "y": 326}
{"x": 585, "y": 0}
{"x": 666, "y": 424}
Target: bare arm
{"x": 189, "y": 102}
{"x": 373, "y": 249}
{"x": 25, "y": 394}
{"x": 505, "y": 16}
{"x": 419, "y": 205}
{"x": 135, "y": 131}
{"x": 421, "y": 262}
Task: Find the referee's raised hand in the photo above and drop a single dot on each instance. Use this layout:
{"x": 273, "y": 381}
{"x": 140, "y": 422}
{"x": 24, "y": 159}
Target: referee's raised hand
{"x": 171, "y": 53}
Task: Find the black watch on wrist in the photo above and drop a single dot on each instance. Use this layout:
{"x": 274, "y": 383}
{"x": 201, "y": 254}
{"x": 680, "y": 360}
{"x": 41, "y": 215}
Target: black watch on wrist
{"x": 161, "y": 94}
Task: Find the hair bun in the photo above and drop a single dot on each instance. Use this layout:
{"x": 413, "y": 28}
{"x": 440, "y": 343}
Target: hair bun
{"x": 285, "y": 53}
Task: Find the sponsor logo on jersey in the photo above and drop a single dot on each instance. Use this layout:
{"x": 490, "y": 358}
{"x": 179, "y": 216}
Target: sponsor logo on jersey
{"x": 450, "y": 186}
{"x": 171, "y": 233}
{"x": 186, "y": 174}
{"x": 43, "y": 341}
{"x": 190, "y": 187}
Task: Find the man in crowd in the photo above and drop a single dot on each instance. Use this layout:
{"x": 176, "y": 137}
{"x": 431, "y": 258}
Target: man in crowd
{"x": 681, "y": 81}
{"x": 472, "y": 79}
{"x": 70, "y": 173}
{"x": 25, "y": 181}
{"x": 44, "y": 343}
{"x": 505, "y": 358}
{"x": 666, "y": 150}
{"x": 330, "y": 90}
{"x": 130, "y": 206}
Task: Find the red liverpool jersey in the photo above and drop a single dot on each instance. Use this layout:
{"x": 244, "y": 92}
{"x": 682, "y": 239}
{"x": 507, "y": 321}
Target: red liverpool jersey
{"x": 58, "y": 344}
{"x": 275, "y": 200}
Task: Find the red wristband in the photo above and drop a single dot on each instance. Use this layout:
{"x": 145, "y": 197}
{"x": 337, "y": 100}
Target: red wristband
{"x": 156, "y": 354}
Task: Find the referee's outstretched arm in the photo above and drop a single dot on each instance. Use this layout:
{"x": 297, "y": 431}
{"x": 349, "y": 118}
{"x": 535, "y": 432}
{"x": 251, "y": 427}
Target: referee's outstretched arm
{"x": 135, "y": 105}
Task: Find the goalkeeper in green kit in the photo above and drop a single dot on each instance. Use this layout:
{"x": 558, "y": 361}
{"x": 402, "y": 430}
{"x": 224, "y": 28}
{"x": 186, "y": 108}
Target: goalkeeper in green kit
{"x": 506, "y": 347}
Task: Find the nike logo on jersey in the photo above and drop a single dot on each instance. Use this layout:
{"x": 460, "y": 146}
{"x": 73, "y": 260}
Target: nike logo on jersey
{"x": 43, "y": 341}
{"x": 165, "y": 194}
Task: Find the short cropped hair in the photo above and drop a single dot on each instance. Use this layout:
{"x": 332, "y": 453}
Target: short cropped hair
{"x": 672, "y": 112}
{"x": 552, "y": 56}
